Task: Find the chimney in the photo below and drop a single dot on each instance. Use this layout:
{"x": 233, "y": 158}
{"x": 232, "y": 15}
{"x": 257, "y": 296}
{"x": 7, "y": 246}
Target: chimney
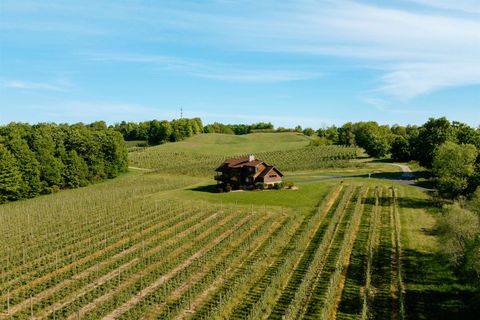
{"x": 251, "y": 158}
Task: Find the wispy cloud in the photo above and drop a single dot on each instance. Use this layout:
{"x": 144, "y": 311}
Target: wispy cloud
{"x": 469, "y": 6}
{"x": 418, "y": 51}
{"x": 28, "y": 85}
{"x": 211, "y": 70}
{"x": 416, "y": 46}
{"x": 86, "y": 111}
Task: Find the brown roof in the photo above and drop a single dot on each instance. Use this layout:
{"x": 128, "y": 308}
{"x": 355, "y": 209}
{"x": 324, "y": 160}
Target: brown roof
{"x": 239, "y": 163}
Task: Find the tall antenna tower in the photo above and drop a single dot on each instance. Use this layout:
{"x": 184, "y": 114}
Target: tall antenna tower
{"x": 181, "y": 113}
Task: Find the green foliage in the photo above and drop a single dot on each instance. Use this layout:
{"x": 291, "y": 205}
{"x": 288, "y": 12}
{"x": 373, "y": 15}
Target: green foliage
{"x": 308, "y": 132}
{"x": 401, "y": 149}
{"x": 159, "y": 132}
{"x": 50, "y": 157}
{"x": 432, "y": 134}
{"x": 375, "y": 139}
{"x": 453, "y": 164}
{"x": 459, "y": 230}
{"x": 10, "y": 177}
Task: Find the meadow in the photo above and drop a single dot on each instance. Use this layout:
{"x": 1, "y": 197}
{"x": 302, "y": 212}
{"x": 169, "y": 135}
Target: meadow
{"x": 155, "y": 244}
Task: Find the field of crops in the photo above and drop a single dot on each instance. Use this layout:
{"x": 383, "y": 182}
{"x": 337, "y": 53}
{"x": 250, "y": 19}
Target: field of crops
{"x": 307, "y": 158}
{"x": 115, "y": 255}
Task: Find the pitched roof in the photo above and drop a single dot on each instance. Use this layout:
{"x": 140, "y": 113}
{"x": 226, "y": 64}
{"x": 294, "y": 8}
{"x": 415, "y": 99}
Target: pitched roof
{"x": 239, "y": 163}
{"x": 268, "y": 169}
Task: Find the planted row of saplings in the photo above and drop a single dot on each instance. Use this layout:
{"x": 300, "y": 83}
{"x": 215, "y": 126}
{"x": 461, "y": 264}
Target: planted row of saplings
{"x": 307, "y": 296}
{"x": 38, "y": 227}
{"x": 308, "y": 245}
{"x": 226, "y": 294}
{"x": 151, "y": 274}
{"x": 350, "y": 306}
{"x": 101, "y": 264}
{"x": 156, "y": 249}
{"x": 55, "y": 259}
{"x": 261, "y": 297}
{"x": 228, "y": 261}
{"x": 331, "y": 298}
{"x": 37, "y": 241}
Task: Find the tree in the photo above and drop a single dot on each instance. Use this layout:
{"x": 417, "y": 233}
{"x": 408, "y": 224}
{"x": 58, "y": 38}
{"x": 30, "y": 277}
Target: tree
{"x": 375, "y": 139}
{"x": 346, "y": 135}
{"x": 10, "y": 177}
{"x": 453, "y": 164}
{"x": 431, "y": 135}
{"x": 75, "y": 172}
{"x": 44, "y": 147}
{"x": 159, "y": 132}
{"x": 308, "y": 132}
{"x": 401, "y": 149}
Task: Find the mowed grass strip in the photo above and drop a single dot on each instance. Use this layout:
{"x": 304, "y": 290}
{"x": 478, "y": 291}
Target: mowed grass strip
{"x": 381, "y": 302}
{"x": 350, "y": 306}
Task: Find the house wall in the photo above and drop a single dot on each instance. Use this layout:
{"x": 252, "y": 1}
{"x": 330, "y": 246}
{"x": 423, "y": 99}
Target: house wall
{"x": 272, "y": 177}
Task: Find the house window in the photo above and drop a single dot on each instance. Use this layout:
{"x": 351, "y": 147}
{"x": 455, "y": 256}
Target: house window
{"x": 248, "y": 180}
{"x": 273, "y": 176}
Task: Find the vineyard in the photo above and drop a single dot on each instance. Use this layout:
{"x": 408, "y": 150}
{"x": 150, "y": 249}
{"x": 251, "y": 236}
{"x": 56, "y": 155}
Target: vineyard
{"x": 113, "y": 253}
{"x": 307, "y": 158}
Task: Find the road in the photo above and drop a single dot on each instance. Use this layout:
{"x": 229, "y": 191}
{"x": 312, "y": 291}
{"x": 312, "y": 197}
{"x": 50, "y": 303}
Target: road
{"x": 408, "y": 177}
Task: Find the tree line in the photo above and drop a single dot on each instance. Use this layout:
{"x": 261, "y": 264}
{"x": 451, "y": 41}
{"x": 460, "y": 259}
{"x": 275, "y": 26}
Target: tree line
{"x": 159, "y": 131}
{"x": 451, "y": 150}
{"x": 44, "y": 158}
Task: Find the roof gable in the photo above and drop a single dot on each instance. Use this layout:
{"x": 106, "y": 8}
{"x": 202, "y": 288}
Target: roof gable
{"x": 268, "y": 169}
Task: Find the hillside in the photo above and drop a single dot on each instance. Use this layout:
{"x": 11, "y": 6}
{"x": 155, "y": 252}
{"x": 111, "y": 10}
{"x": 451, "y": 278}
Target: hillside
{"x": 221, "y": 144}
{"x": 201, "y": 154}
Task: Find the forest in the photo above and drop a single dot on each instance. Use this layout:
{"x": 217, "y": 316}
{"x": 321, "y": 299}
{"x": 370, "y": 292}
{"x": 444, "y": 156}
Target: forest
{"x": 44, "y": 158}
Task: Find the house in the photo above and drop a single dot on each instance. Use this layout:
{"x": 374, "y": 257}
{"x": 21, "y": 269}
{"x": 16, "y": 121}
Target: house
{"x": 243, "y": 173}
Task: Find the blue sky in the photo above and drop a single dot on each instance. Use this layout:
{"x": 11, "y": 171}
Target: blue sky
{"x": 312, "y": 63}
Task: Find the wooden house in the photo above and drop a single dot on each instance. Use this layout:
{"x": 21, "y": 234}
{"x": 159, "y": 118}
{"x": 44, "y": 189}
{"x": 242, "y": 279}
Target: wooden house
{"x": 244, "y": 173}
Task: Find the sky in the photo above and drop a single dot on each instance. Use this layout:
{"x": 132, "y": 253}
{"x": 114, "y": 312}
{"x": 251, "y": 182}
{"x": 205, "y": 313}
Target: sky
{"x": 312, "y": 63}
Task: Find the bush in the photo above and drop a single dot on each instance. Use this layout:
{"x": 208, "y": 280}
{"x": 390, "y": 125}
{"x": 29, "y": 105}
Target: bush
{"x": 288, "y": 185}
{"x": 260, "y": 185}
{"x": 228, "y": 187}
{"x": 278, "y": 186}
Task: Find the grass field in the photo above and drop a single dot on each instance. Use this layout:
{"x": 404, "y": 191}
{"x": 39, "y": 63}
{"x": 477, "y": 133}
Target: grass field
{"x": 154, "y": 246}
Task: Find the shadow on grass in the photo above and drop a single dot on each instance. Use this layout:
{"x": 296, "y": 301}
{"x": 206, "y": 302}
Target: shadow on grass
{"x": 212, "y": 188}
{"x": 434, "y": 291}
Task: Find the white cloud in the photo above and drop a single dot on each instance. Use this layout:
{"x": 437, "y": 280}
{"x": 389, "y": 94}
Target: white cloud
{"x": 418, "y": 51}
{"x": 211, "y": 70}
{"x": 27, "y": 85}
{"x": 85, "y": 111}
{"x": 468, "y": 6}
